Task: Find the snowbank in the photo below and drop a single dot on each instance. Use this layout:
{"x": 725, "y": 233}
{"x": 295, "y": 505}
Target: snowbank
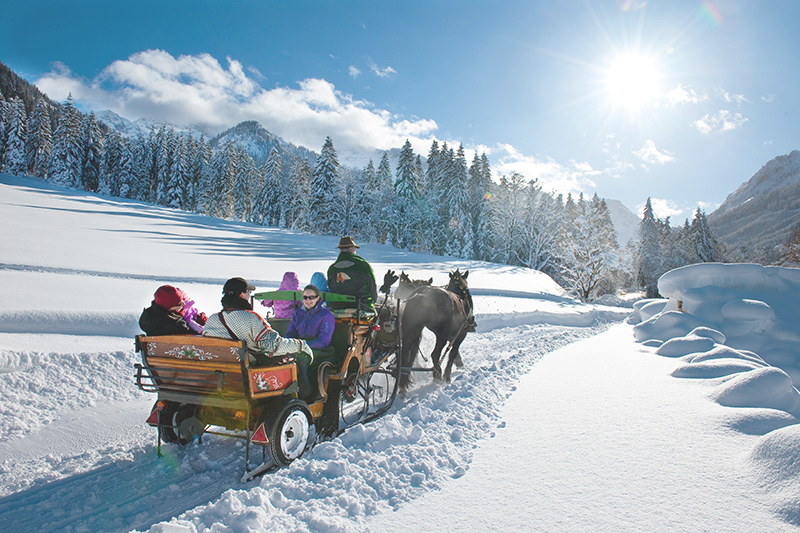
{"x": 738, "y": 327}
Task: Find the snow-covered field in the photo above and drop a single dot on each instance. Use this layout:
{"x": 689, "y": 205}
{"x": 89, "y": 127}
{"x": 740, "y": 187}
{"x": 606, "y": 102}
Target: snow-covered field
{"x": 565, "y": 416}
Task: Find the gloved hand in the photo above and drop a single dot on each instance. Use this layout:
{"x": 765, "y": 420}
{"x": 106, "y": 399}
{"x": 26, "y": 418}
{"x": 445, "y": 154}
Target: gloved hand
{"x": 201, "y": 319}
{"x": 388, "y": 280}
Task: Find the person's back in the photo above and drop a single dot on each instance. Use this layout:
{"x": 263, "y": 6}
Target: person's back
{"x": 163, "y": 317}
{"x": 237, "y": 320}
{"x": 284, "y": 308}
{"x": 353, "y": 275}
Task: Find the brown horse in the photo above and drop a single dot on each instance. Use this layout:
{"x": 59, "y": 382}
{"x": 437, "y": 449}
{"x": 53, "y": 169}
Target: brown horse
{"x": 446, "y": 312}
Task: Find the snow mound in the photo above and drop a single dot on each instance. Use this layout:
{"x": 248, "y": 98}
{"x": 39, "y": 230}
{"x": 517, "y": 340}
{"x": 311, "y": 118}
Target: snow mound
{"x": 681, "y": 346}
{"x": 666, "y": 325}
{"x": 714, "y": 369}
{"x": 761, "y": 387}
{"x": 737, "y": 324}
{"x": 752, "y": 307}
{"x": 776, "y": 463}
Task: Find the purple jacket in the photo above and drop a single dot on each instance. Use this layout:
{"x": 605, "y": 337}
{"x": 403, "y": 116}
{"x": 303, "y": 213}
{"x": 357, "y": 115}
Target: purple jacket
{"x": 315, "y": 326}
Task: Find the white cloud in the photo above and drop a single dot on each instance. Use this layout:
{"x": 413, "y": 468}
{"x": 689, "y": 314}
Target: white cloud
{"x": 732, "y": 98}
{"x": 198, "y": 91}
{"x": 651, "y": 154}
{"x": 722, "y": 120}
{"x": 353, "y": 71}
{"x": 575, "y": 177}
{"x": 682, "y": 95}
{"x": 382, "y": 72}
{"x": 664, "y": 208}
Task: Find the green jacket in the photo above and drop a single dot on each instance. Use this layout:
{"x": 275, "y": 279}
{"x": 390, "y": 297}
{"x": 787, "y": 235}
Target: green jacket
{"x": 351, "y": 274}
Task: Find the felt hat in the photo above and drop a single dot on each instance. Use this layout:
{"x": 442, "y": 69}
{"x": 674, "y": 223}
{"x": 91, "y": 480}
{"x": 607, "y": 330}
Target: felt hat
{"x": 237, "y": 286}
{"x": 168, "y": 296}
{"x": 347, "y": 242}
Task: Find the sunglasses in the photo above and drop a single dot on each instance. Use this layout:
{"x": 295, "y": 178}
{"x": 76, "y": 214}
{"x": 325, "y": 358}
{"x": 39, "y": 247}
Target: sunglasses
{"x": 310, "y": 297}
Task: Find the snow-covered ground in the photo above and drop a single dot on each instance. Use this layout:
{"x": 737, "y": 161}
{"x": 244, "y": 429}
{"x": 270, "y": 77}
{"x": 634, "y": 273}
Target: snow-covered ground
{"x": 565, "y": 417}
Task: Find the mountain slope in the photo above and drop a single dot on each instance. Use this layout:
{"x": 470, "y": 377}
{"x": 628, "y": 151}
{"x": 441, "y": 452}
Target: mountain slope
{"x": 626, "y": 223}
{"x": 762, "y": 212}
{"x": 258, "y": 142}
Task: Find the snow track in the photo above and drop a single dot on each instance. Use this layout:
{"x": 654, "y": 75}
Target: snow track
{"x": 108, "y": 454}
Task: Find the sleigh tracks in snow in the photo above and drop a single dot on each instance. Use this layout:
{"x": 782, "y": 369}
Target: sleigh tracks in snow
{"x": 207, "y": 385}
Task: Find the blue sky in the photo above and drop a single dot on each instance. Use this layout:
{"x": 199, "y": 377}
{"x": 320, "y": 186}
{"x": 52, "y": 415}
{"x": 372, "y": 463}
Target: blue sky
{"x": 677, "y": 100}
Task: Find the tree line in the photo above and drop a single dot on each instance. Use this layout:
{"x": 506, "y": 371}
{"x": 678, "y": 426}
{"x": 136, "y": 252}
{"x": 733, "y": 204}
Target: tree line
{"x": 443, "y": 205}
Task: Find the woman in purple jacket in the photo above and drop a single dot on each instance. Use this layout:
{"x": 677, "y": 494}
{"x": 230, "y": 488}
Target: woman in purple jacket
{"x": 313, "y": 323}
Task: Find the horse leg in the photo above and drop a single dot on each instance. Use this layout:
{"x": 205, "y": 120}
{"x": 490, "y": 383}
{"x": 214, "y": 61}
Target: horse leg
{"x": 453, "y": 355}
{"x": 436, "y": 354}
{"x": 410, "y": 347}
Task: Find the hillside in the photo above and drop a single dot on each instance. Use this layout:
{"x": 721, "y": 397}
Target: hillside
{"x": 762, "y": 212}
{"x": 258, "y": 142}
{"x": 626, "y": 223}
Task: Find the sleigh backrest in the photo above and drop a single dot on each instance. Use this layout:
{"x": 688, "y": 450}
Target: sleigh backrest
{"x": 181, "y": 366}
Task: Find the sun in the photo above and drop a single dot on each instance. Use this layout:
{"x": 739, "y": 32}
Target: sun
{"x": 632, "y": 80}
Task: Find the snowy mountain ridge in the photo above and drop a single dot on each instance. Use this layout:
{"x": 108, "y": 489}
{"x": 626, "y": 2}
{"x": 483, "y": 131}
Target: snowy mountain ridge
{"x": 258, "y": 142}
{"x": 780, "y": 172}
{"x": 626, "y": 223}
{"x": 762, "y": 212}
{"x": 139, "y": 127}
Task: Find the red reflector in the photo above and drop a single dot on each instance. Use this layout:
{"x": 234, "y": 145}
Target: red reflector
{"x": 260, "y": 436}
{"x": 153, "y": 418}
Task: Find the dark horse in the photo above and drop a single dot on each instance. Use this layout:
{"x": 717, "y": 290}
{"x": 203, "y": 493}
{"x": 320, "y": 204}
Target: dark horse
{"x": 406, "y": 286}
{"x": 446, "y": 312}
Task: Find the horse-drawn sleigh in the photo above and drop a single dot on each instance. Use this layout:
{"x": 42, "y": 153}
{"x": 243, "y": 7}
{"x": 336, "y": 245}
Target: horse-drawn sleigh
{"x": 208, "y": 385}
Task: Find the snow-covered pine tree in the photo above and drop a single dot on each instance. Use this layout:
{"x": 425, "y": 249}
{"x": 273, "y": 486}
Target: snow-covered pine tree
{"x": 201, "y": 157}
{"x": 407, "y": 184}
{"x": 247, "y": 178}
{"x": 790, "y": 253}
{"x": 459, "y": 243}
{"x": 92, "y": 153}
{"x": 227, "y": 181}
{"x": 268, "y": 205}
{"x": 384, "y": 199}
{"x": 506, "y": 210}
{"x": 406, "y": 213}
{"x": 370, "y": 201}
{"x": 164, "y": 158}
{"x": 347, "y": 204}
{"x": 66, "y": 158}
{"x": 477, "y": 190}
{"x": 298, "y": 215}
{"x": 16, "y": 133}
{"x": 648, "y": 260}
{"x": 140, "y": 153}
{"x": 2, "y": 130}
{"x": 109, "y": 175}
{"x": 323, "y": 184}
{"x": 39, "y": 144}
{"x": 176, "y": 185}
{"x": 126, "y": 178}
{"x": 706, "y": 248}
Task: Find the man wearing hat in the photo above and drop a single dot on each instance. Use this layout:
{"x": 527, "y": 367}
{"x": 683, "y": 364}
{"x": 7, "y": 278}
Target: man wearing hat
{"x": 351, "y": 274}
{"x": 237, "y": 320}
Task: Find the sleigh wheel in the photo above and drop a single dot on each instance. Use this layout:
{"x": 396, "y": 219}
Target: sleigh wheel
{"x": 291, "y": 434}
